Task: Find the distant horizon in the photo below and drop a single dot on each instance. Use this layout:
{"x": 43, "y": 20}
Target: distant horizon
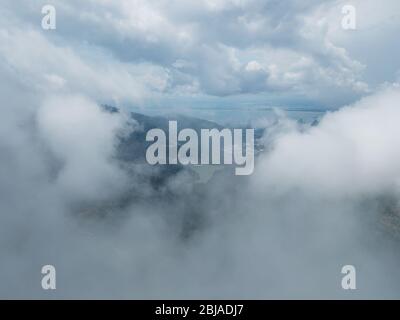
{"x": 241, "y": 116}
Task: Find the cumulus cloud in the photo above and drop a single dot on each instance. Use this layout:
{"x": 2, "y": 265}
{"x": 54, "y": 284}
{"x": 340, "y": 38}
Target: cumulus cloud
{"x": 300, "y": 48}
{"x": 351, "y": 151}
{"x": 57, "y": 68}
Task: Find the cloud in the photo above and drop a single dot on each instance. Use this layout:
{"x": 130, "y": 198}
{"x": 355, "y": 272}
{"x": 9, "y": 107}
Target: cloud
{"x": 139, "y": 44}
{"x": 60, "y": 69}
{"x": 82, "y": 139}
{"x": 312, "y": 206}
{"x": 351, "y": 151}
{"x": 319, "y": 198}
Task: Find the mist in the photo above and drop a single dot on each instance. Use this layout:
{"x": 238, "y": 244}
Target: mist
{"x": 317, "y": 201}
{"x": 321, "y": 196}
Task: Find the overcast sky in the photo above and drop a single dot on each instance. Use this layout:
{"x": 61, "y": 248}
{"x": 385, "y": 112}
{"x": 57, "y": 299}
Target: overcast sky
{"x": 136, "y": 52}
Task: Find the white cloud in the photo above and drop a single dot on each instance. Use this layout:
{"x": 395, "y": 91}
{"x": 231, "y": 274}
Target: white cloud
{"x": 352, "y": 151}
{"x": 83, "y": 140}
{"x": 129, "y": 39}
